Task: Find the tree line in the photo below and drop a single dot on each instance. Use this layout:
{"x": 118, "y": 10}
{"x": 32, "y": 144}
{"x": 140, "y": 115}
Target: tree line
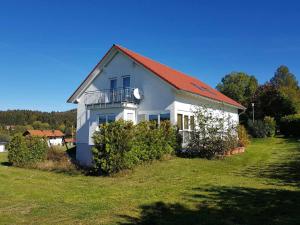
{"x": 278, "y": 97}
{"x": 17, "y": 121}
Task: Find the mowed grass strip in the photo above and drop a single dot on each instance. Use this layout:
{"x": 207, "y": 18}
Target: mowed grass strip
{"x": 259, "y": 186}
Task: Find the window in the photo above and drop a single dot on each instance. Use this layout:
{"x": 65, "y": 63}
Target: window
{"x": 111, "y": 118}
{"x": 126, "y": 82}
{"x": 186, "y": 122}
{"x": 142, "y": 117}
{"x": 179, "y": 121}
{"x": 113, "y": 84}
{"x": 192, "y": 122}
{"x": 106, "y": 118}
{"x": 102, "y": 119}
{"x": 153, "y": 118}
{"x": 164, "y": 116}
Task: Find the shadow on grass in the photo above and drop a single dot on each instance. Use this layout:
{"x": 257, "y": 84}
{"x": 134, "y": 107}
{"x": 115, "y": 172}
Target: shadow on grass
{"x": 6, "y": 164}
{"x": 285, "y": 170}
{"x": 224, "y": 205}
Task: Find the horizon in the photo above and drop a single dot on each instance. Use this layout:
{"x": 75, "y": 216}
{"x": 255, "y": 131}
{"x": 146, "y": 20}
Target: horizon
{"x": 45, "y": 53}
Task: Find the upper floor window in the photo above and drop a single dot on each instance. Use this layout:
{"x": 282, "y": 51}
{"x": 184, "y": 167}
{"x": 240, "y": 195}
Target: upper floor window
{"x": 126, "y": 82}
{"x": 113, "y": 84}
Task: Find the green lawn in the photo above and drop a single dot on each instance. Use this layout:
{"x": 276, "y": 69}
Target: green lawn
{"x": 261, "y": 186}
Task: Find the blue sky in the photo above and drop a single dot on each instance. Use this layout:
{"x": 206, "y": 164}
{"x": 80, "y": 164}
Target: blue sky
{"x": 48, "y": 47}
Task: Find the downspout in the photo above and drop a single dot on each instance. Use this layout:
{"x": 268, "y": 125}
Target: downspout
{"x": 244, "y": 110}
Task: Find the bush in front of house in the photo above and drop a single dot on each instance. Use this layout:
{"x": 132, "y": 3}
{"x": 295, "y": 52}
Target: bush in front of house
{"x": 290, "y": 125}
{"x": 262, "y": 129}
{"x": 121, "y": 145}
{"x": 213, "y": 135}
{"x": 243, "y": 136}
{"x": 113, "y": 143}
{"x": 27, "y": 151}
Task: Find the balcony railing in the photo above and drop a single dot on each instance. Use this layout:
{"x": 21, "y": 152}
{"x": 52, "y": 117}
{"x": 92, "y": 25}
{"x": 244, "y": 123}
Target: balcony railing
{"x": 110, "y": 96}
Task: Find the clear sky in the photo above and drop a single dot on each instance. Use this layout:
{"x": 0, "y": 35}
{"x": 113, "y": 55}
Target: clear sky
{"x": 48, "y": 47}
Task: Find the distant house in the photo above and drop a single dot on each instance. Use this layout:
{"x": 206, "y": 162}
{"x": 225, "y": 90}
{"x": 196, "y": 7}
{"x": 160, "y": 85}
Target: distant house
{"x": 2, "y": 146}
{"x": 70, "y": 141}
{"x": 54, "y": 137}
{"x": 126, "y": 85}
{"x": 10, "y": 127}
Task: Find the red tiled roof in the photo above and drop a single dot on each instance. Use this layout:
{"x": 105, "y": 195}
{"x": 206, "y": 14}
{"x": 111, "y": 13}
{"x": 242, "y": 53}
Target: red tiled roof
{"x": 45, "y": 133}
{"x": 178, "y": 79}
{"x": 70, "y": 140}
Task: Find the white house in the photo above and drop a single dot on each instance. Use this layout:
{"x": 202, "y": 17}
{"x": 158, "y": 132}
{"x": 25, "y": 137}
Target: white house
{"x": 126, "y": 85}
{"x": 53, "y": 137}
{"x": 2, "y": 146}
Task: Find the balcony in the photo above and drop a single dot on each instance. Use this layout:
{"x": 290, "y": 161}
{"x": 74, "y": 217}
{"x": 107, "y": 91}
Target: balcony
{"x": 109, "y": 98}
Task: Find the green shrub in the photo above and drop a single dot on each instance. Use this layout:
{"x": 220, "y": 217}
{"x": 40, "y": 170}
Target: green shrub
{"x": 24, "y": 152}
{"x": 243, "y": 136}
{"x": 18, "y": 151}
{"x": 112, "y": 147}
{"x": 121, "y": 145}
{"x": 270, "y": 126}
{"x": 262, "y": 129}
{"x": 290, "y": 125}
{"x": 213, "y": 136}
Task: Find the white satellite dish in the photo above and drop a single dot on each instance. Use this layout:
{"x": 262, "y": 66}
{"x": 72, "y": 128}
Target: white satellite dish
{"x": 77, "y": 100}
{"x": 137, "y": 94}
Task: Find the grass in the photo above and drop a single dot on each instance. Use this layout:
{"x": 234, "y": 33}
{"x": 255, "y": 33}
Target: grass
{"x": 261, "y": 186}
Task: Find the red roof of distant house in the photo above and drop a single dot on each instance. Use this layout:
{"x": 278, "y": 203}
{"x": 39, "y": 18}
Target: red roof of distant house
{"x": 178, "y": 79}
{"x": 70, "y": 140}
{"x": 44, "y": 133}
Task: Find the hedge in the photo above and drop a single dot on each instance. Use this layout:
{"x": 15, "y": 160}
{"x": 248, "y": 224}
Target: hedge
{"x": 27, "y": 151}
{"x": 121, "y": 145}
{"x": 262, "y": 129}
{"x": 290, "y": 125}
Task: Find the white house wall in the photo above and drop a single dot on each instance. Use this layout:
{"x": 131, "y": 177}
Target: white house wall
{"x": 55, "y": 141}
{"x": 2, "y": 148}
{"x": 187, "y": 103}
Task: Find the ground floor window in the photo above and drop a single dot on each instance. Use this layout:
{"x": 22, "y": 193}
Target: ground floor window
{"x": 164, "y": 116}
{"x": 153, "y": 118}
{"x": 192, "y": 122}
{"x": 106, "y": 118}
{"x": 185, "y": 122}
{"x": 159, "y": 117}
{"x": 179, "y": 121}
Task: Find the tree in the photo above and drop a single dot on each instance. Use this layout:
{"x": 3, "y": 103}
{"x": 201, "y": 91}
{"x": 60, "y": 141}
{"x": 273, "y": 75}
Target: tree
{"x": 284, "y": 78}
{"x": 269, "y": 101}
{"x": 239, "y": 86}
{"x": 38, "y": 125}
{"x": 287, "y": 84}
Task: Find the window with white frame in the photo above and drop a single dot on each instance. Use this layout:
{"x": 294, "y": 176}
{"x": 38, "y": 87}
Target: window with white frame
{"x": 185, "y": 122}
